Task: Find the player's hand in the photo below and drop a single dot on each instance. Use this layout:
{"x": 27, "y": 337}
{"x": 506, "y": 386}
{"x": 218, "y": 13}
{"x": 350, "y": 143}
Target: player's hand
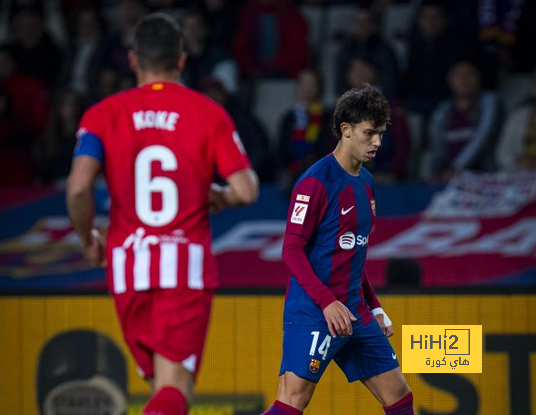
{"x": 385, "y": 323}
{"x": 339, "y": 319}
{"x": 94, "y": 249}
{"x": 217, "y": 198}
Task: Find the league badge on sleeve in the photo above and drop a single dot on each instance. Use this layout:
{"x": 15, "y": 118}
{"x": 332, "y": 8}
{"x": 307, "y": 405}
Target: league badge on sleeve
{"x": 314, "y": 366}
{"x": 298, "y": 213}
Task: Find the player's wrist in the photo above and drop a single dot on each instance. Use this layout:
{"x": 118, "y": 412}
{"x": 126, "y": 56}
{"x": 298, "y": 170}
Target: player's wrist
{"x": 386, "y": 320}
{"x": 326, "y": 302}
{"x": 86, "y": 240}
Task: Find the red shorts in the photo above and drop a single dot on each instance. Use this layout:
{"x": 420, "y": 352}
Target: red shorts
{"x": 172, "y": 323}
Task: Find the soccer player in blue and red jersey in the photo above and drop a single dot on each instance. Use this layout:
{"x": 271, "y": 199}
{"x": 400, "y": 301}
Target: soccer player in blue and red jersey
{"x": 331, "y": 310}
{"x": 158, "y": 145}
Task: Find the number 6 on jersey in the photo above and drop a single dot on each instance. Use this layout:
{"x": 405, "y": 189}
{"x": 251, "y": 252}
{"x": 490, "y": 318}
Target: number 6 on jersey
{"x": 146, "y": 185}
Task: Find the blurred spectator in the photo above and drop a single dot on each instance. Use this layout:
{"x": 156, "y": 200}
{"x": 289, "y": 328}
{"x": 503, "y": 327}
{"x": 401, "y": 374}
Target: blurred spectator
{"x": 463, "y": 128}
{"x": 11, "y": 151}
{"x": 271, "y": 39}
{"x": 391, "y": 161}
{"x": 56, "y": 147}
{"x": 516, "y": 148}
{"x": 221, "y": 17}
{"x": 523, "y": 60}
{"x": 28, "y": 94}
{"x": 464, "y": 35}
{"x": 38, "y": 56}
{"x": 430, "y": 54}
{"x": 170, "y": 7}
{"x": 83, "y": 60}
{"x": 24, "y": 109}
{"x": 364, "y": 40}
{"x": 7, "y": 125}
{"x": 52, "y": 12}
{"x": 249, "y": 129}
{"x": 505, "y": 24}
{"x": 204, "y": 59}
{"x": 305, "y": 130}
{"x": 116, "y": 67}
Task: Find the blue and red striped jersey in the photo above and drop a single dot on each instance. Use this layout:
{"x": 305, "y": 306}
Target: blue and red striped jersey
{"x": 331, "y": 215}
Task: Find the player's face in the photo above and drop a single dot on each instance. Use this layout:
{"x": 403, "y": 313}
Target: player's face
{"x": 364, "y": 139}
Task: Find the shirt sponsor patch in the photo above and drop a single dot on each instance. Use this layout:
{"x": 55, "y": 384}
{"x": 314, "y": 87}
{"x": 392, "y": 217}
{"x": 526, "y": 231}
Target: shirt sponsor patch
{"x": 298, "y": 213}
{"x": 303, "y": 198}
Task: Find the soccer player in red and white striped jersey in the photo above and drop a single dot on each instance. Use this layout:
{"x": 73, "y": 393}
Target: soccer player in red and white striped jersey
{"x": 158, "y": 146}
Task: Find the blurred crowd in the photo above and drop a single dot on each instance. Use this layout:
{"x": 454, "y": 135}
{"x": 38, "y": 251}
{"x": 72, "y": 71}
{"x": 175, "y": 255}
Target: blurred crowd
{"x": 459, "y": 74}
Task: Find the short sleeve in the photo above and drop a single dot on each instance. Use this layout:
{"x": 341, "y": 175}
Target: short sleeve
{"x": 93, "y": 120}
{"x": 90, "y": 134}
{"x": 230, "y": 155}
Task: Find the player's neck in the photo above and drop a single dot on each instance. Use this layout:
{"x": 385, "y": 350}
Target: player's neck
{"x": 350, "y": 164}
{"x": 146, "y": 78}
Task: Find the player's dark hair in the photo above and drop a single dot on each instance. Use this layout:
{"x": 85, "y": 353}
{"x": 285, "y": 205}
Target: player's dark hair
{"x": 361, "y": 104}
{"x": 158, "y": 42}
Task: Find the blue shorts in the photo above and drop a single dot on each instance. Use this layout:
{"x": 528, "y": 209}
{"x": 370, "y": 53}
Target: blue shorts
{"x": 367, "y": 352}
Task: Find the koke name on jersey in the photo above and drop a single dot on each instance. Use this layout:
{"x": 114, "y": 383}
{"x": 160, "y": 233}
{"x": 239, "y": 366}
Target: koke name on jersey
{"x": 161, "y": 120}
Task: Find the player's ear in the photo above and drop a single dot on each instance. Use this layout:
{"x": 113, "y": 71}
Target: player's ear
{"x": 132, "y": 60}
{"x": 345, "y": 129}
{"x": 182, "y": 61}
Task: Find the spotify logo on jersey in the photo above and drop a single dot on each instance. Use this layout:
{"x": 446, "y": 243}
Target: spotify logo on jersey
{"x": 348, "y": 240}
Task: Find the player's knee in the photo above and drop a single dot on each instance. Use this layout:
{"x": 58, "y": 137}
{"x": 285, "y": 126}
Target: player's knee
{"x": 396, "y": 394}
{"x": 298, "y": 400}
{"x": 296, "y": 393}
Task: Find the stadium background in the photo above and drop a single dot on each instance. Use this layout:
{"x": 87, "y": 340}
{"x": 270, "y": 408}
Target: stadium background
{"x": 47, "y": 291}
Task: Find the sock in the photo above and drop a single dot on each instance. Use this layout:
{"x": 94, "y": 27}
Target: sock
{"x": 167, "y": 401}
{"x": 403, "y": 407}
{"x": 280, "y": 408}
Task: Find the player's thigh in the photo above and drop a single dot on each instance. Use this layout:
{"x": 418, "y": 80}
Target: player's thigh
{"x": 388, "y": 387}
{"x": 367, "y": 353}
{"x": 134, "y": 310}
{"x": 181, "y": 319}
{"x": 308, "y": 353}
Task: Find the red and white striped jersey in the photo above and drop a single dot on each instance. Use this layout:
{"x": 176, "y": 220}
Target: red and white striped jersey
{"x": 161, "y": 145}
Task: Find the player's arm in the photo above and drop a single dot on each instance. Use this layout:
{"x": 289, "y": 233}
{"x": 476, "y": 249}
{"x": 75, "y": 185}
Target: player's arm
{"x": 306, "y": 210}
{"x": 81, "y": 205}
{"x": 338, "y": 317}
{"x": 242, "y": 189}
{"x": 86, "y": 165}
{"x": 375, "y": 306}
